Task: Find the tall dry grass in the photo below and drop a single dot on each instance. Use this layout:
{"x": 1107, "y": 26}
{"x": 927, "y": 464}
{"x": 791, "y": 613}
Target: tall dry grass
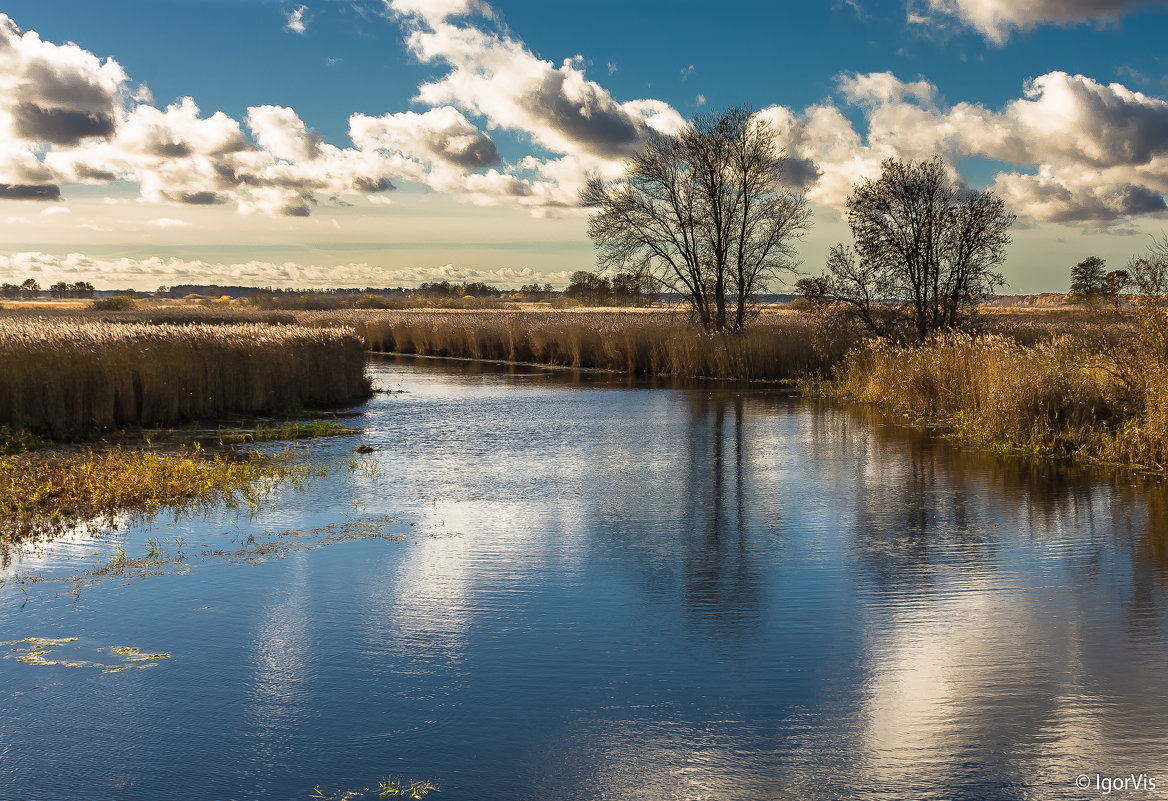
{"x": 1060, "y": 396}
{"x": 66, "y": 377}
{"x": 658, "y": 343}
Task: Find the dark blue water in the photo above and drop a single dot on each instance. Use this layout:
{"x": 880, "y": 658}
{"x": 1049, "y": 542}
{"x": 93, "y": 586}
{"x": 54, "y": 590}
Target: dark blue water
{"x": 554, "y": 586}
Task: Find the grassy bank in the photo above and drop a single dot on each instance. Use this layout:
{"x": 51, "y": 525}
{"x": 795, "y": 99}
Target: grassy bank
{"x": 1068, "y": 396}
{"x": 1039, "y": 381}
{"x": 66, "y": 377}
{"x": 656, "y": 343}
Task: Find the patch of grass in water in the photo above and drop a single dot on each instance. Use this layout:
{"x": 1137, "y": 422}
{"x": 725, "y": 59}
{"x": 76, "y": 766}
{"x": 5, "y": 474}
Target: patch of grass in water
{"x": 49, "y": 491}
{"x": 17, "y": 440}
{"x": 282, "y": 543}
{"x": 390, "y": 787}
{"x": 396, "y": 788}
{"x": 287, "y": 431}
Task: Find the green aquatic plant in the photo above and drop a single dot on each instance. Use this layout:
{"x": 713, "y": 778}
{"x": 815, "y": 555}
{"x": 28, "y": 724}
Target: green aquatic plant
{"x": 13, "y": 441}
{"x": 286, "y": 431}
{"x": 48, "y": 491}
{"x": 119, "y": 560}
{"x": 396, "y": 788}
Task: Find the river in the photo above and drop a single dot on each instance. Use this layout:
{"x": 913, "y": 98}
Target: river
{"x": 552, "y": 585}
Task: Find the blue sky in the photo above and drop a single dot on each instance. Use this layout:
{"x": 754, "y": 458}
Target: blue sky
{"x": 484, "y": 119}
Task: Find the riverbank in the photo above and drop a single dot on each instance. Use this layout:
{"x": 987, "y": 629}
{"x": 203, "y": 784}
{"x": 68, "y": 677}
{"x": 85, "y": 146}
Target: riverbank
{"x": 1062, "y": 398}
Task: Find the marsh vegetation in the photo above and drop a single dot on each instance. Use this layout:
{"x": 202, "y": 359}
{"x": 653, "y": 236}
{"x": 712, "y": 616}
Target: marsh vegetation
{"x": 68, "y": 377}
{"x": 56, "y": 488}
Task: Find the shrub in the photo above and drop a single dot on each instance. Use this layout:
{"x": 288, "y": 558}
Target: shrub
{"x": 115, "y": 303}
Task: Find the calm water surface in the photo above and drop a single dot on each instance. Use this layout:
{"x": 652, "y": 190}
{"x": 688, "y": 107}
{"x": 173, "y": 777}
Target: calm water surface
{"x": 550, "y": 586}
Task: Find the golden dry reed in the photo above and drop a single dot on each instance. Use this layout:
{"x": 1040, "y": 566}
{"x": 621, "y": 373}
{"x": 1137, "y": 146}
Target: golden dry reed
{"x": 67, "y": 377}
{"x": 1059, "y": 397}
{"x": 657, "y": 343}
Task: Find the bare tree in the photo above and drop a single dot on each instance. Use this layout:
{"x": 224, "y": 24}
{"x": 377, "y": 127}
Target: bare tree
{"x": 924, "y": 251}
{"x": 704, "y": 214}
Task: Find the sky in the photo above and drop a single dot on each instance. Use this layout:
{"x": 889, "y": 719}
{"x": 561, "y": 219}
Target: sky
{"x": 324, "y": 143}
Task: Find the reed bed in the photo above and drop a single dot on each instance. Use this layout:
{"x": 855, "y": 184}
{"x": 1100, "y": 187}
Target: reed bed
{"x": 66, "y": 377}
{"x": 658, "y": 343}
{"x": 1052, "y": 398}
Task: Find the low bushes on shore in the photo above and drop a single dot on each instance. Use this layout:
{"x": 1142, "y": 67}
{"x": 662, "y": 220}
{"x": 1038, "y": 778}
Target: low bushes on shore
{"x": 66, "y": 378}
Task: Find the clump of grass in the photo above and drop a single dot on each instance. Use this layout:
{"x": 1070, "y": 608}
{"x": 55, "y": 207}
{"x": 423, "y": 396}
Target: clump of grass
{"x": 396, "y": 788}
{"x": 288, "y": 430}
{"x": 49, "y": 490}
{"x": 388, "y": 788}
{"x": 65, "y": 378}
{"x": 18, "y": 441}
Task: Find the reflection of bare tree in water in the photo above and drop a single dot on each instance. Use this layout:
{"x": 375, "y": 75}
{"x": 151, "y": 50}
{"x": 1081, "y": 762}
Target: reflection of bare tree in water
{"x": 690, "y": 530}
{"x": 721, "y": 582}
{"x": 921, "y": 504}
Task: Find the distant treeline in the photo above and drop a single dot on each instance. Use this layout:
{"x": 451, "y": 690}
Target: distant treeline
{"x": 31, "y": 289}
{"x": 585, "y": 288}
{"x": 438, "y": 289}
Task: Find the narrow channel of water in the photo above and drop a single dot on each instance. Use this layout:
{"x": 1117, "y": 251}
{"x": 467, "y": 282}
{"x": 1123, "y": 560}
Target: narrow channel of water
{"x": 547, "y": 585}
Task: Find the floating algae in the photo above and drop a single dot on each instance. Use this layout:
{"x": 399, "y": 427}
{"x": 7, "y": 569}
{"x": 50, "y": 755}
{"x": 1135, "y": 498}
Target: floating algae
{"x": 133, "y": 654}
{"x": 39, "y": 648}
{"x": 282, "y": 543}
{"x": 171, "y": 557}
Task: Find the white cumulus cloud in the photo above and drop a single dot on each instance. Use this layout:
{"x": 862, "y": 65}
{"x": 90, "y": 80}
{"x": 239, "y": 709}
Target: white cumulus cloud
{"x": 997, "y": 20}
{"x": 150, "y": 272}
{"x": 1081, "y": 151}
{"x": 168, "y": 222}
